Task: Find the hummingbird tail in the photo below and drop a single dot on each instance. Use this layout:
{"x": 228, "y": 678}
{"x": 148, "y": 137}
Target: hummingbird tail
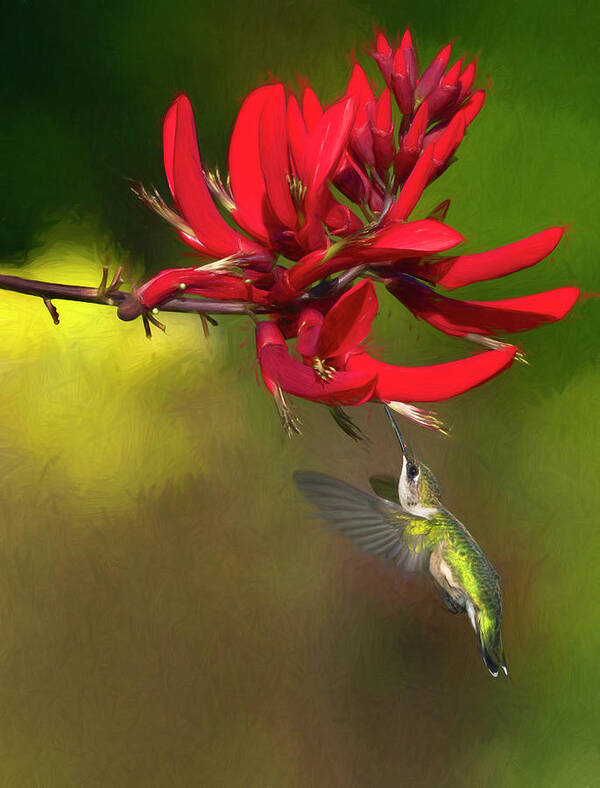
{"x": 490, "y": 644}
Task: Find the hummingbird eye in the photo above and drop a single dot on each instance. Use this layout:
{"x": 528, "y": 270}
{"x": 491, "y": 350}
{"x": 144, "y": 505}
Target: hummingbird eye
{"x": 412, "y": 471}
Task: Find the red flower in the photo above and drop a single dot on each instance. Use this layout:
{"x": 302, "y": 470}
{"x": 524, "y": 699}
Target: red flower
{"x": 280, "y": 164}
{"x": 464, "y": 318}
{"x": 283, "y": 373}
{"x": 436, "y": 108}
{"x": 314, "y": 193}
{"x": 331, "y": 338}
{"x": 211, "y": 236}
{"x": 391, "y": 241}
{"x": 452, "y": 272}
{"x": 207, "y": 282}
{"x": 434, "y": 383}
{"x": 337, "y": 371}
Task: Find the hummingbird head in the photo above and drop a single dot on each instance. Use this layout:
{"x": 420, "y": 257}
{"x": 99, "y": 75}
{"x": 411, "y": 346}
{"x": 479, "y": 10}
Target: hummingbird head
{"x": 418, "y": 489}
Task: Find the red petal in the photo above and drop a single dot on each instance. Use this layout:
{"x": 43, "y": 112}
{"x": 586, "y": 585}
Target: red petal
{"x": 383, "y": 132}
{"x": 229, "y": 288}
{"x": 311, "y": 268}
{"x": 449, "y": 140}
{"x": 268, "y": 334}
{"x": 309, "y": 325}
{"x": 351, "y": 179}
{"x": 552, "y": 304}
{"x": 376, "y": 200}
{"x": 325, "y": 149}
{"x": 165, "y": 284}
{"x": 274, "y": 158}
{"x": 298, "y": 136}
{"x": 328, "y": 141}
{"x": 468, "y": 268}
{"x": 247, "y": 181}
{"x": 209, "y": 284}
{"x": 348, "y": 322}
{"x": 459, "y": 318}
{"x": 358, "y": 87}
{"x": 383, "y": 113}
{"x": 362, "y": 144}
{"x": 410, "y": 57}
{"x": 452, "y": 75}
{"x": 279, "y": 368}
{"x": 433, "y": 73}
{"x": 382, "y": 45}
{"x": 283, "y": 290}
{"x": 433, "y": 383}
{"x": 192, "y": 194}
{"x": 190, "y": 240}
{"x": 413, "y": 187}
{"x": 340, "y": 220}
{"x": 445, "y": 96}
{"x": 311, "y": 109}
{"x": 472, "y": 107}
{"x": 169, "y": 126}
{"x": 408, "y": 239}
{"x": 441, "y": 97}
{"x": 465, "y": 81}
{"x": 411, "y": 143}
{"x": 383, "y": 56}
{"x": 401, "y": 84}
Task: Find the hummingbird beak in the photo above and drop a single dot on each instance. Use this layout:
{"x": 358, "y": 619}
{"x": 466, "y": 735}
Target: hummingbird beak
{"x": 396, "y": 430}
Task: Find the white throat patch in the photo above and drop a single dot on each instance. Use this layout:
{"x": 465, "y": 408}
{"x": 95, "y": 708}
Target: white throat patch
{"x": 419, "y": 510}
{"x": 408, "y": 496}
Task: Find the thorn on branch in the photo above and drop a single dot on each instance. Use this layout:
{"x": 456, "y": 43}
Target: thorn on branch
{"x": 106, "y": 290}
{"x": 53, "y": 311}
{"x": 147, "y": 328}
{"x": 103, "y": 281}
{"x": 116, "y": 281}
{"x": 148, "y": 317}
{"x": 205, "y": 328}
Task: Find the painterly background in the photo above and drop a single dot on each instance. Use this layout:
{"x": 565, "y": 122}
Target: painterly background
{"x": 169, "y": 613}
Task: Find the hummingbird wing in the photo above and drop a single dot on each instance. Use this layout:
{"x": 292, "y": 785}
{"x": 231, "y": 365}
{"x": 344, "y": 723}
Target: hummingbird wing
{"x": 385, "y": 487}
{"x": 378, "y": 526}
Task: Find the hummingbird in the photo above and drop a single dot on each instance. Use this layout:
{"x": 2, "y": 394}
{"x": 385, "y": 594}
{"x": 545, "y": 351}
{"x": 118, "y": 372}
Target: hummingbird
{"x": 406, "y": 523}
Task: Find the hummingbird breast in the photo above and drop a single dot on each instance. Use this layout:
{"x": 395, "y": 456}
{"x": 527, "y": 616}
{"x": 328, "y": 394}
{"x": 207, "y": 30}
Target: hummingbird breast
{"x": 463, "y": 570}
{"x": 441, "y": 572}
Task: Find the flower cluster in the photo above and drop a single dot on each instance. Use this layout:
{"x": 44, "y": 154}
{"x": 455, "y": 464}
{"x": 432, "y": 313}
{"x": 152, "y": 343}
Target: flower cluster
{"x": 320, "y": 197}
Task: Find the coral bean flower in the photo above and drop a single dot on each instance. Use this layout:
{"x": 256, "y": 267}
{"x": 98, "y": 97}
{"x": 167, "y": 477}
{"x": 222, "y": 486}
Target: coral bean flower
{"x": 317, "y": 197}
{"x": 280, "y": 168}
{"x": 282, "y": 373}
{"x": 278, "y": 186}
{"x": 436, "y": 107}
{"x": 398, "y": 386}
{"x": 477, "y": 320}
{"x": 338, "y": 371}
{"x": 211, "y": 236}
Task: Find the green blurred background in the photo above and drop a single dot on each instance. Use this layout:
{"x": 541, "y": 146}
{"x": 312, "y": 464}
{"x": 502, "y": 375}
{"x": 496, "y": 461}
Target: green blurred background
{"x": 169, "y": 612}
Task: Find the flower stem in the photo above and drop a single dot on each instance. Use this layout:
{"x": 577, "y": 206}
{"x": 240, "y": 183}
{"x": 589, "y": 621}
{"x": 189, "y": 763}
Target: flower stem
{"x": 52, "y": 290}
